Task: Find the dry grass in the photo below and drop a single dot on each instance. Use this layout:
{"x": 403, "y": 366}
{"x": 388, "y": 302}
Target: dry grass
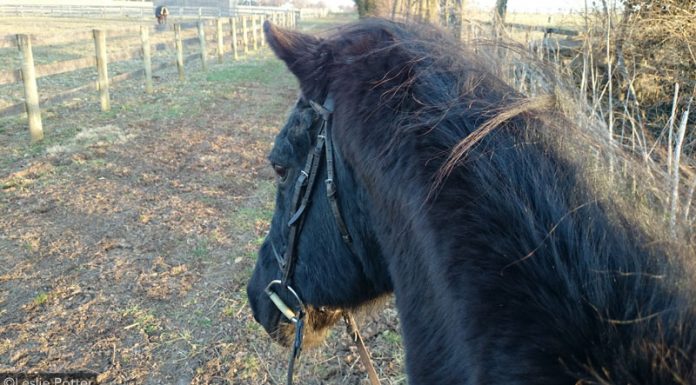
{"x": 617, "y": 79}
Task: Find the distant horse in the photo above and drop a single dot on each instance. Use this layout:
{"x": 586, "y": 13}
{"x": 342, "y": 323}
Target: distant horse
{"x": 161, "y": 13}
{"x": 407, "y": 166}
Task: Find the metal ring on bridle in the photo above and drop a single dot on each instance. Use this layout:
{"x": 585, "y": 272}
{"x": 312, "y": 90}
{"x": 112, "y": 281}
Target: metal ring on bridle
{"x": 282, "y": 306}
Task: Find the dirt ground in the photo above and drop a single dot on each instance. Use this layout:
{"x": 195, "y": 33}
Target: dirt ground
{"x": 127, "y": 237}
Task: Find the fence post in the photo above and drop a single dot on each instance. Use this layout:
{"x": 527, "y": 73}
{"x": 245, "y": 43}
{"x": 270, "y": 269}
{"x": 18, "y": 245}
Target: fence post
{"x": 254, "y": 35}
{"x": 100, "y": 49}
{"x": 179, "y": 51}
{"x": 245, "y": 34}
{"x": 31, "y": 93}
{"x": 233, "y": 30}
{"x": 201, "y": 42}
{"x": 220, "y": 40}
{"x": 262, "y": 37}
{"x": 147, "y": 61}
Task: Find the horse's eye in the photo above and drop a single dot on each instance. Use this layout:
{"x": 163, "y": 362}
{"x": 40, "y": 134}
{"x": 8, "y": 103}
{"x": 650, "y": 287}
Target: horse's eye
{"x": 281, "y": 171}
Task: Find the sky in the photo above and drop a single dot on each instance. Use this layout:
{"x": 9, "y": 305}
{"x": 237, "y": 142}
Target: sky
{"x": 537, "y": 6}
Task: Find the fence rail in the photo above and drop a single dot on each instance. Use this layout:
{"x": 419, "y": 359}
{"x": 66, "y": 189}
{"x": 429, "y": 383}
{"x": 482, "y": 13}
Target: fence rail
{"x": 305, "y": 13}
{"x": 198, "y": 12}
{"x": 538, "y": 28}
{"x": 237, "y": 35}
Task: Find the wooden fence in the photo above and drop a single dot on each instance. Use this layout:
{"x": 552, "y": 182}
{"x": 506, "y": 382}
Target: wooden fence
{"x": 548, "y": 40}
{"x": 236, "y": 35}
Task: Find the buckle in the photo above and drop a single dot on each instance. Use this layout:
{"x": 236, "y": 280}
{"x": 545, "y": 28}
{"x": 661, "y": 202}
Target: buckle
{"x": 330, "y": 188}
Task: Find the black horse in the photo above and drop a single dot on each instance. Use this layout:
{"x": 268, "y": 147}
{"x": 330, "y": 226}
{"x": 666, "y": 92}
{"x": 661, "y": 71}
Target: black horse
{"x": 161, "y": 13}
{"x": 512, "y": 260}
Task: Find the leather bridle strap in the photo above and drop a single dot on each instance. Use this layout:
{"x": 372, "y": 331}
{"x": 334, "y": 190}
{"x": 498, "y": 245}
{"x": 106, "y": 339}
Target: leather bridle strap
{"x": 296, "y": 349}
{"x": 354, "y": 334}
{"x": 305, "y": 182}
{"x": 303, "y": 188}
{"x": 300, "y": 201}
{"x": 325, "y": 111}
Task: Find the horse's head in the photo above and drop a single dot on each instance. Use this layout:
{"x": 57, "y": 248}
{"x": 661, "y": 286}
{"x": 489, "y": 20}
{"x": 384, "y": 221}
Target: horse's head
{"x": 320, "y": 255}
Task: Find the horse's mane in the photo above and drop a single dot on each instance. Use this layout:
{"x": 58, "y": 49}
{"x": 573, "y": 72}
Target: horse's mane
{"x": 461, "y": 96}
{"x": 455, "y": 98}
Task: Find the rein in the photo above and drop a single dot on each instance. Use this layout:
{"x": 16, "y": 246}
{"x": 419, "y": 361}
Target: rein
{"x": 301, "y": 198}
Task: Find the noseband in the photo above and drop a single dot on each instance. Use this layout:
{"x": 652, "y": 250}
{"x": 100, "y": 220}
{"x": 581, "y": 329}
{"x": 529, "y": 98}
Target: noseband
{"x": 300, "y": 201}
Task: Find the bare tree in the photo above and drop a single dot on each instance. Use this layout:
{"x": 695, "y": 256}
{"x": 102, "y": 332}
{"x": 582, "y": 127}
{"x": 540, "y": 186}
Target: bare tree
{"x": 501, "y": 9}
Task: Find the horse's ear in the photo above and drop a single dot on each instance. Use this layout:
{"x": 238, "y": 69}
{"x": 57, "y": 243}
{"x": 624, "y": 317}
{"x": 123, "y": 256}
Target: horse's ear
{"x": 299, "y": 51}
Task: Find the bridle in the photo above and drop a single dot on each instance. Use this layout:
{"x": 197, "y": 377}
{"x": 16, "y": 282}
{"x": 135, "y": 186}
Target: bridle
{"x": 304, "y": 186}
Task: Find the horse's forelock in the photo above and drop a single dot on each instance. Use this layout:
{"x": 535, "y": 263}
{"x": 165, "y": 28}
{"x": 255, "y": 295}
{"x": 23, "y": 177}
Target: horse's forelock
{"x": 294, "y": 141}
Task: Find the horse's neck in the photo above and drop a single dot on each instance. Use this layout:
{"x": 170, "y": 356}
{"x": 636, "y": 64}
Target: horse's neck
{"x": 509, "y": 266}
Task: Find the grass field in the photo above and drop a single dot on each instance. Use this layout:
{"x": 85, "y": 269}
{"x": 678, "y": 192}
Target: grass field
{"x": 127, "y": 237}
